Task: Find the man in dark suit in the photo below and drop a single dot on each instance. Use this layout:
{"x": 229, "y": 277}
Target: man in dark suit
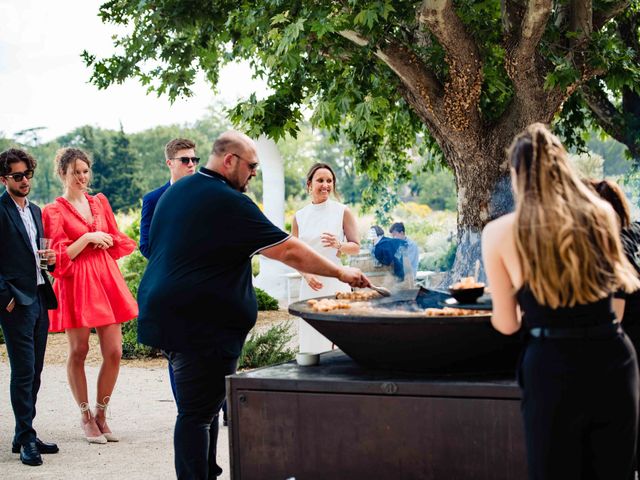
{"x": 196, "y": 298}
{"x": 180, "y": 157}
{"x": 25, "y": 297}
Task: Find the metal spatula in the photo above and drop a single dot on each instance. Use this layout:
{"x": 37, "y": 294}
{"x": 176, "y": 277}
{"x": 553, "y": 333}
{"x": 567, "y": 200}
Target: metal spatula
{"x": 381, "y": 290}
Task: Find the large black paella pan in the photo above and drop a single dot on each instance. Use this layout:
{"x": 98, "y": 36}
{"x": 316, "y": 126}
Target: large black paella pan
{"x": 393, "y": 335}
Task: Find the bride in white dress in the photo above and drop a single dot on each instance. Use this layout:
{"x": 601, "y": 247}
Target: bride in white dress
{"x": 330, "y": 229}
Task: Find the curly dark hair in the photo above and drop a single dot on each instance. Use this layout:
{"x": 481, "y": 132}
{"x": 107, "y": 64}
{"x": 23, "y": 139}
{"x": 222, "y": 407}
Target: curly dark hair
{"x": 15, "y": 155}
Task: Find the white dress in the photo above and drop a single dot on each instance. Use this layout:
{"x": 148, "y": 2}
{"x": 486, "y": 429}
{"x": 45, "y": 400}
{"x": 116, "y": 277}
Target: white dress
{"x": 314, "y": 220}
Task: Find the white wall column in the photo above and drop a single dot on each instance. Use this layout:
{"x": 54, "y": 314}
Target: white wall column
{"x": 272, "y": 273}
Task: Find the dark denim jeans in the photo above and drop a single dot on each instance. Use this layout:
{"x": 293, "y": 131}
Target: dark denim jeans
{"x": 200, "y": 390}
{"x": 25, "y": 334}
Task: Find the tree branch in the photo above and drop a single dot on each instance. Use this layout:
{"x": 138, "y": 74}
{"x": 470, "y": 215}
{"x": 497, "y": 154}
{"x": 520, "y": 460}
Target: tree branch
{"x": 462, "y": 91}
{"x": 580, "y": 20}
{"x": 603, "y": 16}
{"x": 413, "y": 74}
{"x": 603, "y": 110}
{"x": 522, "y": 61}
{"x": 510, "y": 13}
{"x": 534, "y": 22}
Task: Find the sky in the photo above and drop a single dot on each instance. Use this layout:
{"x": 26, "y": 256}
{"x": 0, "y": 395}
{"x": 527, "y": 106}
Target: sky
{"x": 44, "y": 82}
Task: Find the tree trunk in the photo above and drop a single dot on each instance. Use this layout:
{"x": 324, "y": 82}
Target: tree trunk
{"x": 484, "y": 194}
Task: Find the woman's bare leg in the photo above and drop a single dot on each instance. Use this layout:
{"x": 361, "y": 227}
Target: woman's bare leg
{"x": 78, "y": 339}
{"x": 111, "y": 349}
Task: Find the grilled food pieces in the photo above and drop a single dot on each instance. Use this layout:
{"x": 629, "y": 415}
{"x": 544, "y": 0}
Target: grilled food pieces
{"x": 327, "y": 304}
{"x": 359, "y": 295}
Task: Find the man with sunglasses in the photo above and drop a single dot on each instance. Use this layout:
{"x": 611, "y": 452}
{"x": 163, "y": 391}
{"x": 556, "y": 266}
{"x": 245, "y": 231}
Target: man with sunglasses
{"x": 196, "y": 298}
{"x": 180, "y": 157}
{"x": 25, "y": 297}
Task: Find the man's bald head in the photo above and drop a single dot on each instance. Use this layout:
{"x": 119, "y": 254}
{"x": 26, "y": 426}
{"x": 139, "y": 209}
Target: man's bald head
{"x": 232, "y": 141}
{"x": 234, "y": 157}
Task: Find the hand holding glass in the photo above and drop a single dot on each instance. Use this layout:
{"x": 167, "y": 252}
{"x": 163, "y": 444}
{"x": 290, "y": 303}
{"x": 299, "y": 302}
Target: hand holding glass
{"x": 45, "y": 244}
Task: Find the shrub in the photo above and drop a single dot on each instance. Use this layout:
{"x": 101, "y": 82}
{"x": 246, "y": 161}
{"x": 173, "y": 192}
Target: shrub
{"x": 445, "y": 263}
{"x": 130, "y": 346}
{"x": 1, "y": 337}
{"x": 132, "y": 269}
{"x": 268, "y": 348}
{"x": 440, "y": 251}
{"x": 255, "y": 265}
{"x": 265, "y": 301}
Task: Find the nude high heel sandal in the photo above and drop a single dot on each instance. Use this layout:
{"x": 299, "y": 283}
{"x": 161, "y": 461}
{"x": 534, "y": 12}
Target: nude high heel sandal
{"x": 85, "y": 410}
{"x": 102, "y": 424}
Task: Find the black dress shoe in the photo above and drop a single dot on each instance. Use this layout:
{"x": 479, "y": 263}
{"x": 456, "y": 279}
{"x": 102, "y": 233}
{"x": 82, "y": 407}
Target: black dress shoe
{"x": 43, "y": 447}
{"x": 29, "y": 455}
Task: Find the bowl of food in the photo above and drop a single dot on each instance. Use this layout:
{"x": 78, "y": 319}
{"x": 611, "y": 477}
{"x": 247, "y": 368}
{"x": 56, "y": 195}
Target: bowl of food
{"x": 467, "y": 290}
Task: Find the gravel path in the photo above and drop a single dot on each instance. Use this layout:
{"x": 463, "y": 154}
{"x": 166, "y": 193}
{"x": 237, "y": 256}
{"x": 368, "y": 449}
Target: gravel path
{"x": 143, "y": 415}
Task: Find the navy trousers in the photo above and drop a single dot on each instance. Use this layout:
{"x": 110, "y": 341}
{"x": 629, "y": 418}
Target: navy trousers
{"x": 200, "y": 391}
{"x": 25, "y": 331}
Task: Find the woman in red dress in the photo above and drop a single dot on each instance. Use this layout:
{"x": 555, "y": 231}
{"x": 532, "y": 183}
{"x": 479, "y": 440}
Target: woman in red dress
{"x": 90, "y": 289}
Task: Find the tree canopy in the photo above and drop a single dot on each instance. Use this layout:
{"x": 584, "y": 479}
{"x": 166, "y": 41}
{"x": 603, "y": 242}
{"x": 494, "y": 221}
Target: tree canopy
{"x": 396, "y": 78}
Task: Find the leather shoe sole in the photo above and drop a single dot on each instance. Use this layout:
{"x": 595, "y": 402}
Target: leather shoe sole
{"x": 43, "y": 447}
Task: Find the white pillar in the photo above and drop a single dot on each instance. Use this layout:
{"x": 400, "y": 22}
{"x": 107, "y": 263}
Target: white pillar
{"x": 272, "y": 273}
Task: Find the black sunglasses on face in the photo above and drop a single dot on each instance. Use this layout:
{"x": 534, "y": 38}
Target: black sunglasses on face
{"x": 186, "y": 160}
{"x": 253, "y": 166}
{"x": 17, "y": 177}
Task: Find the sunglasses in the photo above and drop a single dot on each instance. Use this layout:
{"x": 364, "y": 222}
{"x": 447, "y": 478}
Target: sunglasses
{"x": 17, "y": 177}
{"x": 253, "y": 166}
{"x": 186, "y": 160}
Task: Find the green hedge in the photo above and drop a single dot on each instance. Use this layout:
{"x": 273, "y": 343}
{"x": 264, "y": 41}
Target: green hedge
{"x": 265, "y": 301}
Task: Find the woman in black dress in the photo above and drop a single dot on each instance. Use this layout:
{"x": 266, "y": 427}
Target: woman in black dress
{"x": 559, "y": 257}
{"x": 630, "y": 236}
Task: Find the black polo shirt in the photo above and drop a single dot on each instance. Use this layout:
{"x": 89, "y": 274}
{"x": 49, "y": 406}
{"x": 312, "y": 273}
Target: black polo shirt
{"x": 197, "y": 291}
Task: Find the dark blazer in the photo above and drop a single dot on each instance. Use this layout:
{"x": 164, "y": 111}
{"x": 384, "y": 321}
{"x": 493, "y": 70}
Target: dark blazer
{"x": 149, "y": 202}
{"x": 17, "y": 261}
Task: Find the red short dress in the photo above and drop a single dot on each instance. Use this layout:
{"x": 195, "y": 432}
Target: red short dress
{"x": 90, "y": 288}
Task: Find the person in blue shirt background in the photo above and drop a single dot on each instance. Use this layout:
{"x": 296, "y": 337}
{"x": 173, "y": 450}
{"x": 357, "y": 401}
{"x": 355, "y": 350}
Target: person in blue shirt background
{"x": 412, "y": 252}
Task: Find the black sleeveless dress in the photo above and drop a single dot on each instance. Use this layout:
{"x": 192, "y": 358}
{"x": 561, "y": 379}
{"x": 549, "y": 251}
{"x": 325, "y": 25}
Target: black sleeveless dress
{"x": 579, "y": 395}
{"x": 630, "y": 237}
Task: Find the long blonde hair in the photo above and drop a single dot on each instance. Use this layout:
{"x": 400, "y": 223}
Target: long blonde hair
{"x": 567, "y": 238}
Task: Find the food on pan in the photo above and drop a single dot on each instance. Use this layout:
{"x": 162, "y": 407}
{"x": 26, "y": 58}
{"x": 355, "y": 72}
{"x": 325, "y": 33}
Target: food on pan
{"x": 467, "y": 282}
{"x": 359, "y": 295}
{"x": 327, "y": 304}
